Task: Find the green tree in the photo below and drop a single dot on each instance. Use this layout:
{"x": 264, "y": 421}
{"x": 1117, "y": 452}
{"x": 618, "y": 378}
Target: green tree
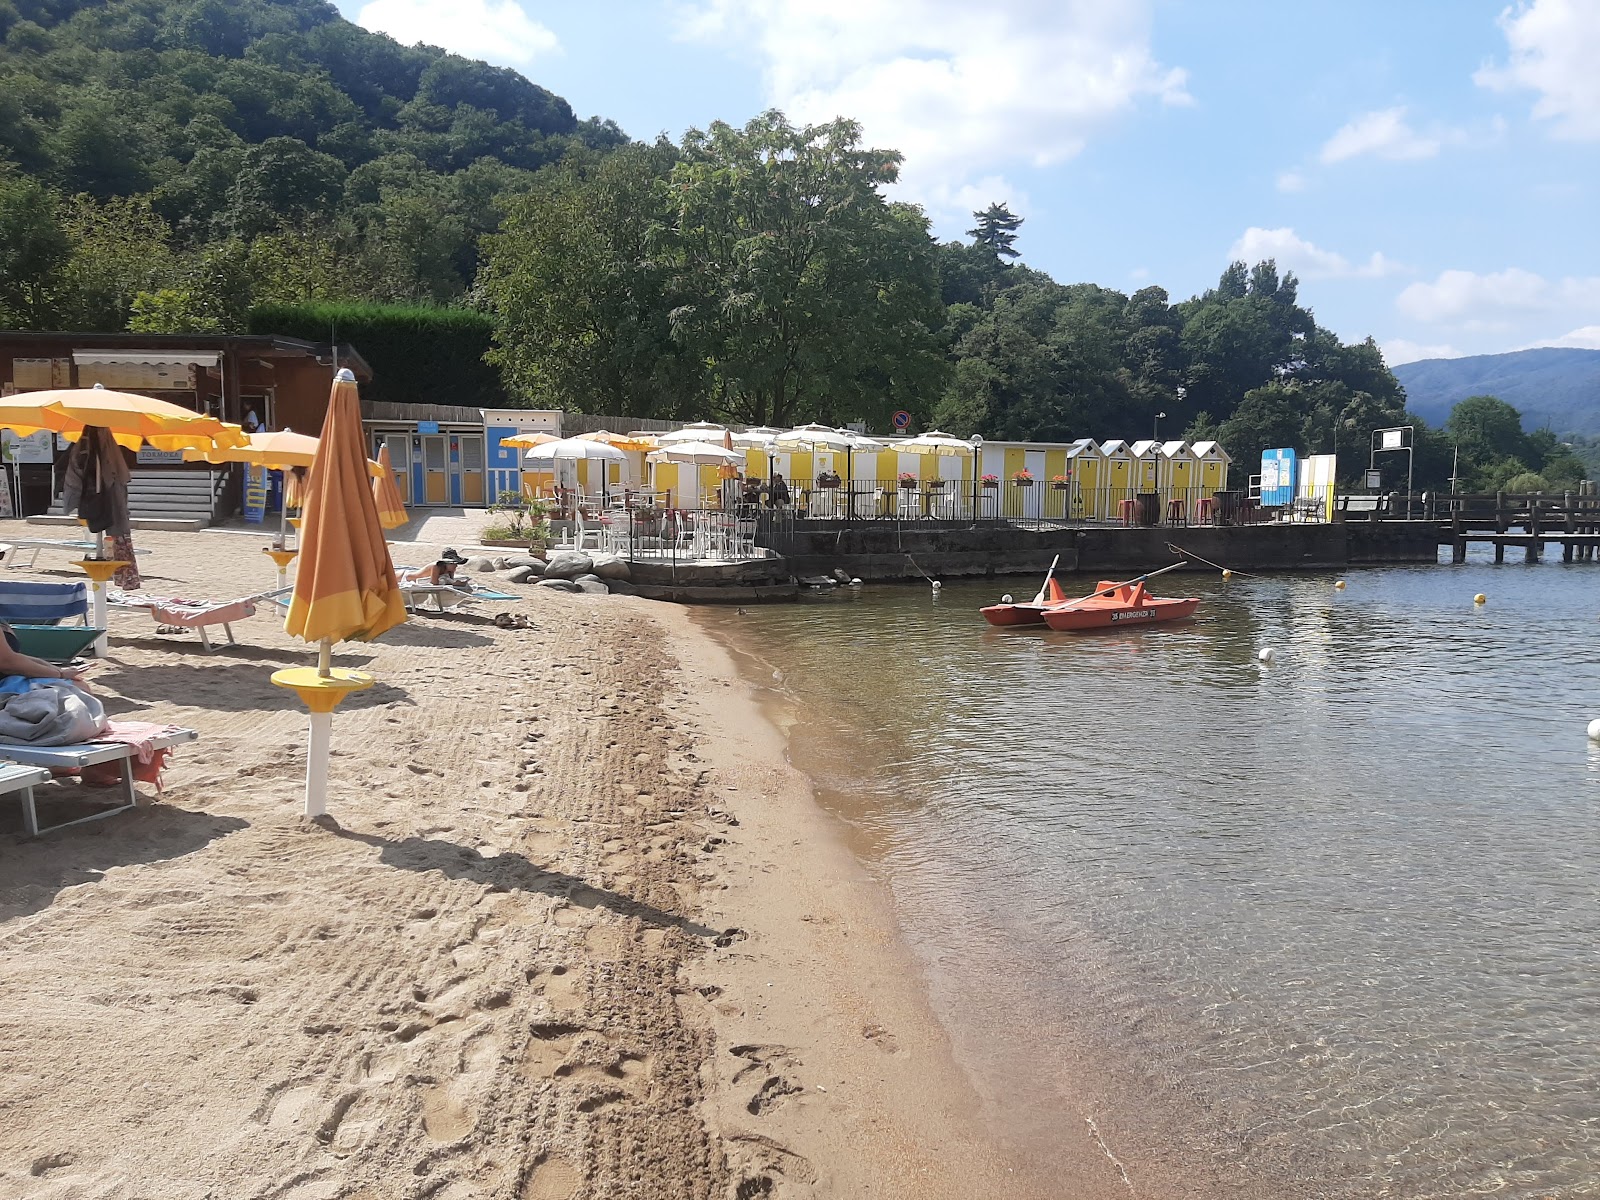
{"x": 996, "y": 231}
{"x": 1487, "y": 429}
{"x": 1267, "y": 418}
{"x": 33, "y": 249}
{"x": 806, "y": 291}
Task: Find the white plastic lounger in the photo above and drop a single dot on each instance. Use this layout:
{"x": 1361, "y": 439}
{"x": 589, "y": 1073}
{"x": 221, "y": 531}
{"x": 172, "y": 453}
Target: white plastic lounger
{"x": 75, "y": 758}
{"x": 13, "y": 555}
{"x": 14, "y": 777}
{"x": 445, "y": 598}
{"x": 197, "y": 614}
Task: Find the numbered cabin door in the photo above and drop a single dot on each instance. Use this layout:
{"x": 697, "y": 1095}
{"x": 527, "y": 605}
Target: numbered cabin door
{"x": 471, "y": 469}
{"x": 435, "y": 469}
{"x": 399, "y": 445}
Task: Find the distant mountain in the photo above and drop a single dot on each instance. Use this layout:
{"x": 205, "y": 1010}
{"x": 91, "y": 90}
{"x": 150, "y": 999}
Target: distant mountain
{"x": 1551, "y": 387}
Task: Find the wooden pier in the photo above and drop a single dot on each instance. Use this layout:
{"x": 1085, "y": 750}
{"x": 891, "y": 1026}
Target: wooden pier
{"x": 1529, "y": 521}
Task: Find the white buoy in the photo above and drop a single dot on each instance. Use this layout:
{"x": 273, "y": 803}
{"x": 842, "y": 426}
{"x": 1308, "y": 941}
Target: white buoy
{"x": 937, "y": 585}
{"x": 1266, "y": 654}
{"x": 1594, "y": 730}
{"x": 1338, "y": 585}
{"x": 856, "y": 582}
{"x": 1006, "y": 599}
{"x": 1480, "y": 598}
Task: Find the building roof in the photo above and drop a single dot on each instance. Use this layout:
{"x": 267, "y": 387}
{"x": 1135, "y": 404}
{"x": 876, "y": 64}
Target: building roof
{"x": 250, "y": 345}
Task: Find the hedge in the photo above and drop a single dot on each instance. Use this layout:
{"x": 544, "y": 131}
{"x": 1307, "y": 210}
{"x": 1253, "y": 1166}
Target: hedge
{"x": 418, "y": 355}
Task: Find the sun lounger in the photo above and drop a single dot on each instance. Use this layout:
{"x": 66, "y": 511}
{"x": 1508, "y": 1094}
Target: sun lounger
{"x": 15, "y": 777}
{"x": 77, "y": 757}
{"x": 55, "y": 643}
{"x": 445, "y": 598}
{"x": 13, "y": 554}
{"x": 197, "y": 614}
{"x": 30, "y": 602}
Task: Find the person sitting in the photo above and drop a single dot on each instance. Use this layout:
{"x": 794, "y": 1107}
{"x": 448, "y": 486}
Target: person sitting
{"x": 778, "y": 492}
{"x": 14, "y": 662}
{"x": 750, "y": 497}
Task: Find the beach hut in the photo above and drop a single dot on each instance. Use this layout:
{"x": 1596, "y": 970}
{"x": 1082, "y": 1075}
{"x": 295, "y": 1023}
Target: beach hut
{"x": 1083, "y": 464}
{"x": 1117, "y": 477}
{"x": 1179, "y": 473}
{"x": 1214, "y": 463}
{"x": 1146, "y": 465}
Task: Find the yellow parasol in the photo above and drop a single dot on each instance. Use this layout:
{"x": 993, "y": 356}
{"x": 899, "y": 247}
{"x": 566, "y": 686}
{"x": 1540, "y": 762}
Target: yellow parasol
{"x": 346, "y": 588}
{"x": 391, "y": 509}
{"x": 277, "y": 451}
{"x": 131, "y": 419}
{"x": 620, "y": 440}
{"x": 527, "y": 441}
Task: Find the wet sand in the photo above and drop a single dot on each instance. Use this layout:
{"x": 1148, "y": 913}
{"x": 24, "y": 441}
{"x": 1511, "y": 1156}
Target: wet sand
{"x": 576, "y": 930}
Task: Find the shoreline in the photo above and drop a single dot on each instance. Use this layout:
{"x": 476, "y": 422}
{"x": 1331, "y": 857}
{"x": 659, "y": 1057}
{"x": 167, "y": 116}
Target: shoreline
{"x": 828, "y": 987}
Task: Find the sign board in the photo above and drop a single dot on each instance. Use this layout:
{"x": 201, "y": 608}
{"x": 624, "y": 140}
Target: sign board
{"x": 902, "y": 420}
{"x": 1392, "y": 439}
{"x": 1375, "y": 480}
{"x": 35, "y": 448}
{"x": 427, "y": 427}
{"x": 148, "y": 455}
{"x": 1278, "y": 475}
{"x": 255, "y": 494}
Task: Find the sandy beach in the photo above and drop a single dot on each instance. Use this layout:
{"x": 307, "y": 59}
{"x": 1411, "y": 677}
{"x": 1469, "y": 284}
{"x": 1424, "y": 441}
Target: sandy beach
{"x": 576, "y": 930}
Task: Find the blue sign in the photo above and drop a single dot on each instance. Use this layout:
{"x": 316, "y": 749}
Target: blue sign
{"x": 902, "y": 419}
{"x": 1278, "y": 471}
{"x": 255, "y": 494}
{"x": 427, "y": 427}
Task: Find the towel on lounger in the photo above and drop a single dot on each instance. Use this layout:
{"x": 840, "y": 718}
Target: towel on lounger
{"x": 51, "y": 712}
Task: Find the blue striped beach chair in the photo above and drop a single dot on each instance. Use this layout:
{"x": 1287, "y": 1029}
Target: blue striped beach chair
{"x": 34, "y": 611}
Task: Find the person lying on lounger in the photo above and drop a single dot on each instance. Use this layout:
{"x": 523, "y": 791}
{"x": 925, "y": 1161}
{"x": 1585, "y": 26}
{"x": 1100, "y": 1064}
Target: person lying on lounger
{"x": 14, "y": 662}
{"x": 441, "y": 574}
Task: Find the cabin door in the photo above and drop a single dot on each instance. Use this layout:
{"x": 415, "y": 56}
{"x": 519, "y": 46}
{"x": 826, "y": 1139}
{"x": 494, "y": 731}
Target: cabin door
{"x": 435, "y": 469}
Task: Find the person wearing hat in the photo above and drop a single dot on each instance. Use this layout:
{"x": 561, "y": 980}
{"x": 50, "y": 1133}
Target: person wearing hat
{"x": 441, "y": 574}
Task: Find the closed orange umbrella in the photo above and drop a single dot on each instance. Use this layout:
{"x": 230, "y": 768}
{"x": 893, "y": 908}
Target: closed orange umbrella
{"x": 391, "y": 509}
{"x": 345, "y": 589}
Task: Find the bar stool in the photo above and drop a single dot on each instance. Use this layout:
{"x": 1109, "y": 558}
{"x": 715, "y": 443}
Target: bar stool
{"x": 1202, "y": 511}
{"x": 1129, "y": 510}
{"x": 1176, "y": 514}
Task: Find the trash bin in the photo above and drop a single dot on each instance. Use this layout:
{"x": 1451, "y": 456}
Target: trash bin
{"x": 1149, "y": 508}
{"x": 1224, "y": 508}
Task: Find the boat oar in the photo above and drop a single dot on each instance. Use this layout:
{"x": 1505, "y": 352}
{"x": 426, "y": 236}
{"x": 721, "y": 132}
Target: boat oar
{"x": 1045, "y": 586}
{"x": 1125, "y": 583}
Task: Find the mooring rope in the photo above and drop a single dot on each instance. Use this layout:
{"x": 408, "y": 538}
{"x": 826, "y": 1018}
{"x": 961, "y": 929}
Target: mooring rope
{"x": 1182, "y": 553}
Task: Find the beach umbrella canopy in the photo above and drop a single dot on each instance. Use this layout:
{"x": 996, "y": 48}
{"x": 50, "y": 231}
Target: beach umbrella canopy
{"x": 815, "y": 437}
{"x": 933, "y": 442}
{"x": 391, "y": 509}
{"x": 699, "y": 431}
{"x": 621, "y": 441}
{"x": 573, "y": 448}
{"x": 527, "y": 441}
{"x": 346, "y": 588}
{"x": 131, "y": 419}
{"x": 702, "y": 453}
{"x": 277, "y": 451}
{"x": 756, "y": 439}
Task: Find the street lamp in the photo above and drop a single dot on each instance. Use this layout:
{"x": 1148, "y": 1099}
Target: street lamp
{"x": 1155, "y": 429}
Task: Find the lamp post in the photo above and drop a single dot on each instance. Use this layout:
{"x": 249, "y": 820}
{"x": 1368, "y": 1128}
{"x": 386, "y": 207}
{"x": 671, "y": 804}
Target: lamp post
{"x": 1155, "y": 428}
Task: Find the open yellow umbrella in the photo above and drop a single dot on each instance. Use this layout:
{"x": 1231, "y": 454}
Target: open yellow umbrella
{"x": 620, "y": 440}
{"x": 277, "y": 451}
{"x": 391, "y": 509}
{"x": 131, "y": 419}
{"x": 527, "y": 441}
{"x": 346, "y": 588}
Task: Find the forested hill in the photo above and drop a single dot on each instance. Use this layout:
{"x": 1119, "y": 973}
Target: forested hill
{"x": 243, "y": 119}
{"x": 1554, "y": 388}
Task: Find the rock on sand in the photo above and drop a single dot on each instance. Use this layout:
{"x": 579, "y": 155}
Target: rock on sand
{"x": 609, "y": 566}
{"x": 568, "y": 564}
{"x": 561, "y": 585}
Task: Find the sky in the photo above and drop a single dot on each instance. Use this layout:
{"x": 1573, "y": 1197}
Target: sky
{"x": 1430, "y": 169}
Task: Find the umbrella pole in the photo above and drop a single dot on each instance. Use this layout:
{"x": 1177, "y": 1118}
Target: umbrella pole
{"x": 325, "y": 658}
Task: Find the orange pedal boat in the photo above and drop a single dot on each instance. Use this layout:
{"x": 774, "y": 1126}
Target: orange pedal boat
{"x": 1028, "y": 613}
{"x": 1114, "y": 604}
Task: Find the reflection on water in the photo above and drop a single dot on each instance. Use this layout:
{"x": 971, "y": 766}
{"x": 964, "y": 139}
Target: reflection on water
{"x": 1340, "y": 911}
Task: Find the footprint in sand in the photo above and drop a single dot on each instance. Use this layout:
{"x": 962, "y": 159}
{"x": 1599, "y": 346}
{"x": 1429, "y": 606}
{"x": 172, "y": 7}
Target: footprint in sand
{"x": 444, "y": 1117}
{"x": 547, "y": 1048}
{"x": 558, "y": 984}
{"x": 552, "y": 1179}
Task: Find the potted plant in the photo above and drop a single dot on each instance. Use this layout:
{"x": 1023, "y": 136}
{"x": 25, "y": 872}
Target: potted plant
{"x": 519, "y": 520}
{"x": 1061, "y": 482}
{"x": 908, "y": 480}
{"x": 989, "y": 481}
{"x": 935, "y": 485}
{"x": 1023, "y": 478}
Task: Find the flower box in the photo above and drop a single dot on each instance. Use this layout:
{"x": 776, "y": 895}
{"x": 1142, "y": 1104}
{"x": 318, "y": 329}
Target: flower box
{"x": 1019, "y": 482}
{"x": 990, "y": 483}
{"x": 909, "y": 485}
{"x": 935, "y": 485}
{"x": 1060, "y": 487}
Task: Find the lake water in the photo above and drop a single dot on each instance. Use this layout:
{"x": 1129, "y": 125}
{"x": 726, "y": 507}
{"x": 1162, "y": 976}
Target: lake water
{"x": 1325, "y": 927}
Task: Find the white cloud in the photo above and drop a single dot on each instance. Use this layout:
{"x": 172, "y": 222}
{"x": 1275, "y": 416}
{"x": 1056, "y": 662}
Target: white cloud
{"x": 1587, "y": 338}
{"x": 962, "y": 90}
{"x": 1291, "y": 181}
{"x": 1384, "y": 134}
{"x": 1400, "y": 351}
{"x": 1555, "y": 45}
{"x": 1295, "y": 253}
{"x": 1498, "y": 300}
{"x": 495, "y": 30}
